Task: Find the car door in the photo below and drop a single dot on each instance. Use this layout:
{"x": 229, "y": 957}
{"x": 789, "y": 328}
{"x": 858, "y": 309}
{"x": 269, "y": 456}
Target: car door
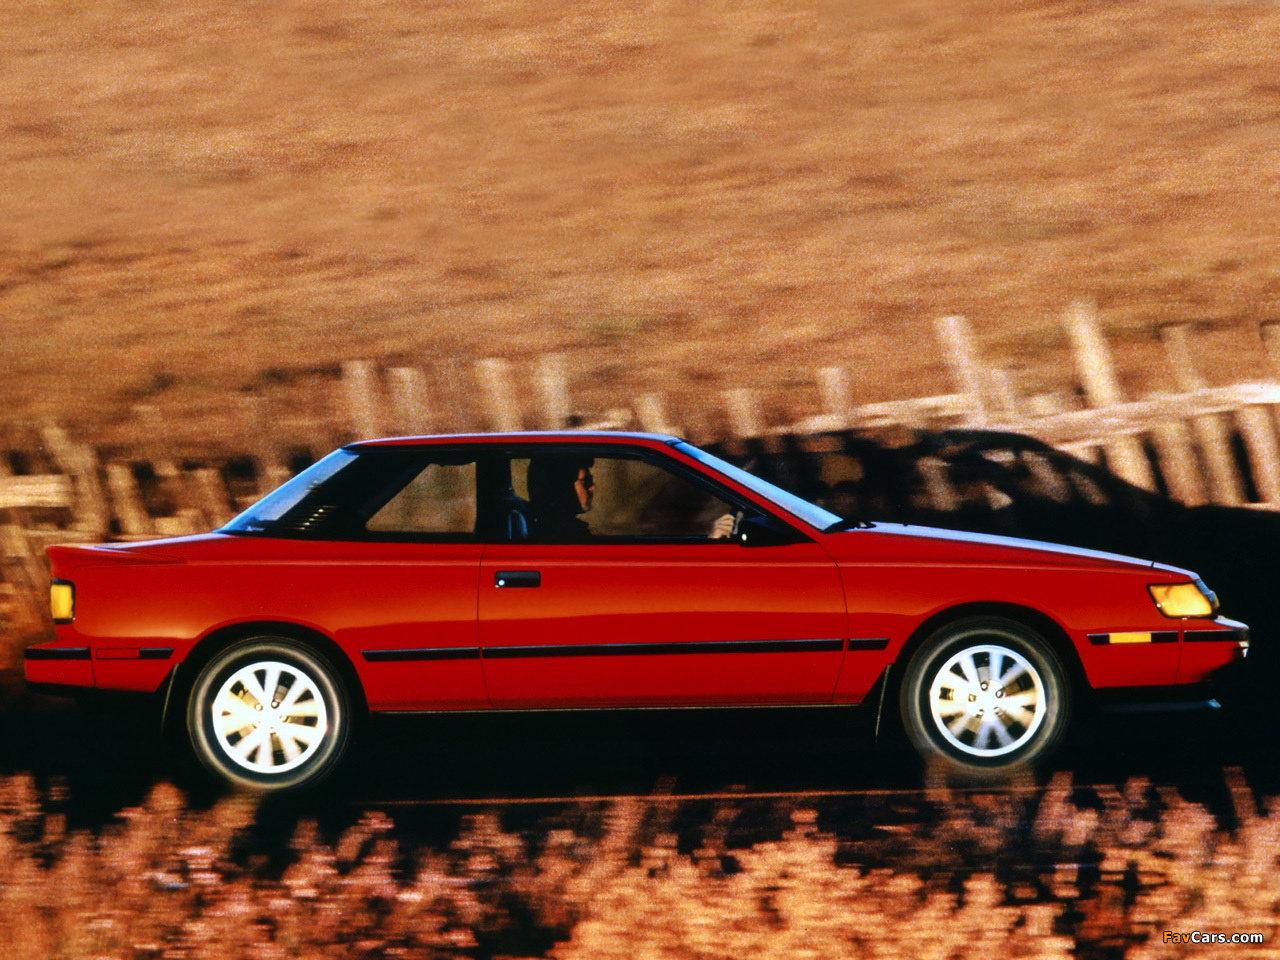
{"x": 393, "y": 574}
{"x": 645, "y": 608}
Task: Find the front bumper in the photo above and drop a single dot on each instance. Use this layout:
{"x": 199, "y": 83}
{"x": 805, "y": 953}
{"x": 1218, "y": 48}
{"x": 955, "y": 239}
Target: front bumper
{"x": 1210, "y": 645}
{"x": 1183, "y": 698}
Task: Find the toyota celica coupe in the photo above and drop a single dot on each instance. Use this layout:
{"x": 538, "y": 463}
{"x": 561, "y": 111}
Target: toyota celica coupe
{"x": 603, "y": 570}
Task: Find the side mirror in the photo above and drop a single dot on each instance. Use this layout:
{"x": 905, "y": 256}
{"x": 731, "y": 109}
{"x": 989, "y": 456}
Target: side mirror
{"x": 765, "y": 532}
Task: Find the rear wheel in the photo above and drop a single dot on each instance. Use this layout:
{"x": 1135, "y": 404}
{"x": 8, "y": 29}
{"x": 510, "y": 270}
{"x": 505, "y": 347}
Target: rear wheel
{"x": 986, "y": 696}
{"x": 269, "y": 713}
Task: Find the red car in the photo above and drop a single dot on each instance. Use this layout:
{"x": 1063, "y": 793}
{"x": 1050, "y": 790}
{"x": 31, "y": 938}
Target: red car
{"x": 533, "y": 571}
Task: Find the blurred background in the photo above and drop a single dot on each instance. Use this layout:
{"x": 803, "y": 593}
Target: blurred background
{"x": 995, "y": 265}
{"x": 203, "y": 204}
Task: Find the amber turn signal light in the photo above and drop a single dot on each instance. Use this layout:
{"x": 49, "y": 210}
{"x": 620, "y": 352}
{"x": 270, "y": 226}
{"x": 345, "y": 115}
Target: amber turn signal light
{"x": 62, "y": 601}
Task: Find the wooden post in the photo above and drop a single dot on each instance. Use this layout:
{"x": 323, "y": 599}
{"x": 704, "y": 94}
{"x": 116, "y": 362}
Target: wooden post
{"x": 153, "y": 446}
{"x": 1002, "y": 389}
{"x": 29, "y": 573}
{"x": 652, "y": 416}
{"x": 1214, "y": 434}
{"x": 133, "y": 517}
{"x": 409, "y": 404}
{"x": 554, "y": 386}
{"x": 1177, "y": 350}
{"x": 961, "y": 356}
{"x": 942, "y": 494}
{"x": 833, "y": 389}
{"x": 1212, "y": 430}
{"x": 1259, "y": 435}
{"x": 187, "y": 519}
{"x": 360, "y": 397}
{"x": 743, "y": 418}
{"x": 267, "y": 460}
{"x": 1092, "y": 356}
{"x": 1178, "y": 463}
{"x": 494, "y": 376}
{"x": 1269, "y": 330}
{"x": 1053, "y": 484}
{"x": 17, "y": 493}
{"x": 1093, "y": 362}
{"x": 91, "y": 511}
{"x": 211, "y": 494}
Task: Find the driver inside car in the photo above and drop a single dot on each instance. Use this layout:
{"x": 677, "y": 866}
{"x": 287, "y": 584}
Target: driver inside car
{"x": 562, "y": 488}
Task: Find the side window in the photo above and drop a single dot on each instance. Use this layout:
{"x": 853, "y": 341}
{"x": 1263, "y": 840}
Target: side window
{"x": 623, "y": 498}
{"x": 439, "y": 499}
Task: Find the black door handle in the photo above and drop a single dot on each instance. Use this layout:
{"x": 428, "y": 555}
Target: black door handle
{"x": 517, "y": 578}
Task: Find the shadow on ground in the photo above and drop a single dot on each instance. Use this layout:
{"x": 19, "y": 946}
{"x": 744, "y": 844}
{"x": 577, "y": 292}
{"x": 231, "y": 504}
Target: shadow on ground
{"x": 108, "y": 758}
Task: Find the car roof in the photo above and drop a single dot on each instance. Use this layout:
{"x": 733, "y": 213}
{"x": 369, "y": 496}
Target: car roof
{"x": 544, "y": 436}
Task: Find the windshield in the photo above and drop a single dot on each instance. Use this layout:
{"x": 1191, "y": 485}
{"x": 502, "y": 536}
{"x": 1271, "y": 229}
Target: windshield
{"x": 802, "y": 510}
{"x": 284, "y": 498}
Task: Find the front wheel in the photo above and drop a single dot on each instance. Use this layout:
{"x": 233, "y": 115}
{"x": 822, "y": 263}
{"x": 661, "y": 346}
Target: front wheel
{"x": 985, "y": 695}
{"x": 269, "y": 714}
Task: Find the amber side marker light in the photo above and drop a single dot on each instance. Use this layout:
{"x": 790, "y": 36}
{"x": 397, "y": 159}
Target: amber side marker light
{"x": 1184, "y": 599}
{"x": 62, "y": 601}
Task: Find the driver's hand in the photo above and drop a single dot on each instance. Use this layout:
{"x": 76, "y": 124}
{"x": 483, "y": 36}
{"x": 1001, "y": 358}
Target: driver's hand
{"x": 723, "y": 527}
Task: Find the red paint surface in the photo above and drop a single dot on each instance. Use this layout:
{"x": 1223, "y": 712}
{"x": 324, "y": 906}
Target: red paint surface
{"x": 1201, "y": 657}
{"x": 712, "y": 591}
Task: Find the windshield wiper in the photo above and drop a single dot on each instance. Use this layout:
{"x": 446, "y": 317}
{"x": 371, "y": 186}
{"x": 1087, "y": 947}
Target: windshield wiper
{"x": 848, "y": 523}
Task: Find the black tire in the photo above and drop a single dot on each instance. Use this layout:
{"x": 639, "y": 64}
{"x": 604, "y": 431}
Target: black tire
{"x": 981, "y": 728}
{"x": 291, "y": 741}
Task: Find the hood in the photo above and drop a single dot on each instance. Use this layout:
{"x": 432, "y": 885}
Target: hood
{"x": 907, "y": 543}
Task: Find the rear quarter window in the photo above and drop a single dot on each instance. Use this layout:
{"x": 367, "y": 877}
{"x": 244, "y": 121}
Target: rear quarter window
{"x": 439, "y": 499}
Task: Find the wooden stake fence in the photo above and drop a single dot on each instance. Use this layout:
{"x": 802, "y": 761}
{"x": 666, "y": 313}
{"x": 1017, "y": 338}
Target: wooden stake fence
{"x": 1201, "y": 444}
{"x": 1207, "y": 444}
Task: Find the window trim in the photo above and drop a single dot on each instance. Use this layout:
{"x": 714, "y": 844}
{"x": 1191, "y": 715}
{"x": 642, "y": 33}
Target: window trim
{"x": 487, "y": 457}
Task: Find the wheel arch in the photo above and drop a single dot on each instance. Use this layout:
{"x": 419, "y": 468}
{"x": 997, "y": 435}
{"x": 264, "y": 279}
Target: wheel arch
{"x": 1053, "y": 633}
{"x": 1037, "y": 620}
{"x": 183, "y": 675}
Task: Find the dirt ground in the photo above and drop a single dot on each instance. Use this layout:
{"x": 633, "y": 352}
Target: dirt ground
{"x": 203, "y": 204}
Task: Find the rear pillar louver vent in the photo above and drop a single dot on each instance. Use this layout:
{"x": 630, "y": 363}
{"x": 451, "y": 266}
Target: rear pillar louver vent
{"x": 314, "y": 518}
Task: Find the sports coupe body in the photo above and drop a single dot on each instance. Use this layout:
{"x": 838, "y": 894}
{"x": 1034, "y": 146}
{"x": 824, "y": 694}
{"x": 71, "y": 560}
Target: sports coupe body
{"x": 571, "y": 570}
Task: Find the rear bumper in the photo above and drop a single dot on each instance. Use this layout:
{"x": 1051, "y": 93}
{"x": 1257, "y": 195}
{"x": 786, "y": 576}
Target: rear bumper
{"x": 72, "y": 663}
{"x": 57, "y": 665}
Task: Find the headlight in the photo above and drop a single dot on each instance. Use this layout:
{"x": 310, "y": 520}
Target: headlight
{"x": 62, "y": 601}
{"x": 1184, "y": 599}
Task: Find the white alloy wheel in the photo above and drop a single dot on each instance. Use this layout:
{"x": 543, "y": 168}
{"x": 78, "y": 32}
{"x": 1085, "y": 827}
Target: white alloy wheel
{"x": 269, "y": 713}
{"x": 269, "y": 717}
{"x": 987, "y": 700}
{"x": 985, "y": 695}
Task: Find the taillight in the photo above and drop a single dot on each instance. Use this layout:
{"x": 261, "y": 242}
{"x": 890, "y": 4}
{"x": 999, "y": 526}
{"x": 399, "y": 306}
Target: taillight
{"x": 62, "y": 601}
